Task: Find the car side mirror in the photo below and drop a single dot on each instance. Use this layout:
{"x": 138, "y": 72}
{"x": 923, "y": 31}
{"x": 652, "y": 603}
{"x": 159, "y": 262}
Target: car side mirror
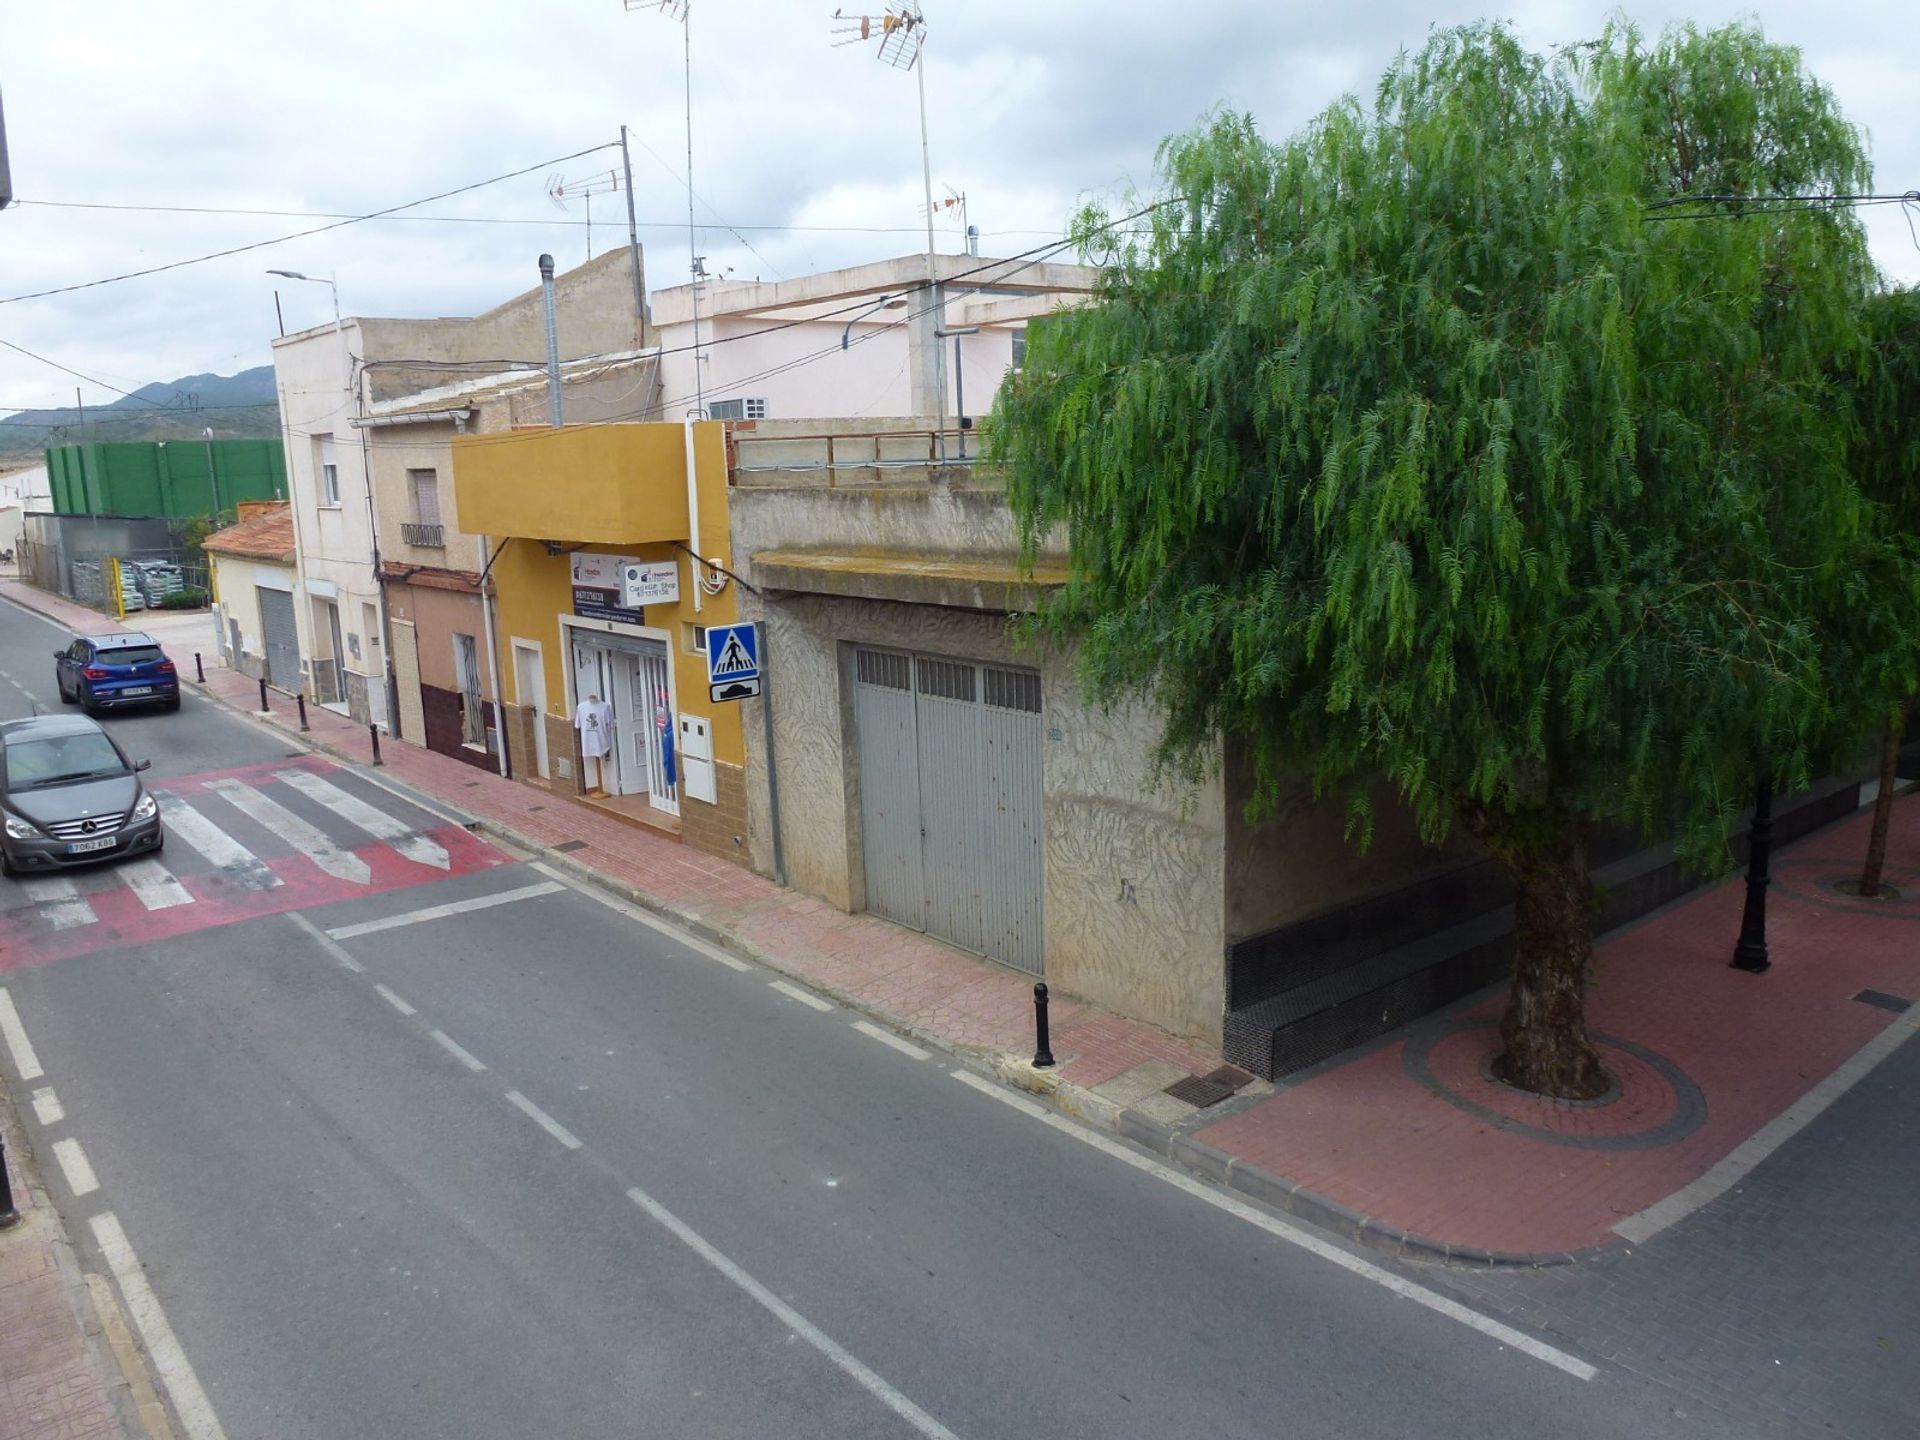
{"x": 59, "y": 654}
{"x": 142, "y": 764}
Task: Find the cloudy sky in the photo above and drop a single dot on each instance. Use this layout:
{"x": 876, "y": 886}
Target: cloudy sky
{"x": 809, "y": 153}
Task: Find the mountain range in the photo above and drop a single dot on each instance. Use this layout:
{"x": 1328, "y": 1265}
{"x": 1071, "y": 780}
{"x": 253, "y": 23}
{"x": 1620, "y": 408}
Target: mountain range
{"x": 242, "y": 406}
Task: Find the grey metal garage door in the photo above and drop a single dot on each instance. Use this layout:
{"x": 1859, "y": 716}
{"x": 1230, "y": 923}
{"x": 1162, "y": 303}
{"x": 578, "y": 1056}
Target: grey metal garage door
{"x": 950, "y": 800}
{"x": 281, "y": 638}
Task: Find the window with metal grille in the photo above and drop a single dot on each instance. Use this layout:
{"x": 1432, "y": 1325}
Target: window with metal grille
{"x": 883, "y": 667}
{"x": 948, "y": 679}
{"x": 1020, "y": 347}
{"x": 1012, "y": 689}
{"x": 754, "y": 407}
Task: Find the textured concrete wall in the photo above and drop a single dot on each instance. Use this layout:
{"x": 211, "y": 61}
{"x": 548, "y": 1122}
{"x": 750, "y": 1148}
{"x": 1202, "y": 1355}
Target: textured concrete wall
{"x": 1134, "y": 876}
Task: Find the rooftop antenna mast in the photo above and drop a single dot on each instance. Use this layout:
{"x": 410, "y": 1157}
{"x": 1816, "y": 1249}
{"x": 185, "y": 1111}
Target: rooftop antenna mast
{"x": 677, "y": 10}
{"x": 561, "y": 191}
{"x": 902, "y": 32}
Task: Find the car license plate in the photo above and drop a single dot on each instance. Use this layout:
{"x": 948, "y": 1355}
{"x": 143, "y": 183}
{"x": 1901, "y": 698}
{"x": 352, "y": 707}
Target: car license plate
{"x": 138, "y": 690}
{"x": 81, "y": 847}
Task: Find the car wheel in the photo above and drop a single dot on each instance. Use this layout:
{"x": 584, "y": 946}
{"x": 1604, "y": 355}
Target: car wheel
{"x": 65, "y": 698}
{"x": 173, "y": 704}
{"x": 6, "y": 864}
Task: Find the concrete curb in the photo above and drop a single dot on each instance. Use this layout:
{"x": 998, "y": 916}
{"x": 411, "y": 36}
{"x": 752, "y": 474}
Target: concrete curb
{"x": 1079, "y": 1102}
{"x": 1254, "y": 1182}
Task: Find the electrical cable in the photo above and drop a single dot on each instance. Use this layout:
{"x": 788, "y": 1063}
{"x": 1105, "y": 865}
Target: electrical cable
{"x": 302, "y": 234}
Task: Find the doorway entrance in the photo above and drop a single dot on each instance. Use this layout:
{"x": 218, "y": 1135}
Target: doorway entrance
{"x": 633, "y": 674}
{"x": 530, "y": 685}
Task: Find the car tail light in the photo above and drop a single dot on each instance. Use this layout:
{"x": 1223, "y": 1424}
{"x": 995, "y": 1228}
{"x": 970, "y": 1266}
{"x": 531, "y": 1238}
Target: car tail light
{"x": 94, "y": 672}
{"x": 166, "y": 667}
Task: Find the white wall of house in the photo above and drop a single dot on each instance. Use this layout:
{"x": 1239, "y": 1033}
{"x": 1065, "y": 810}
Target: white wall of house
{"x": 237, "y": 582}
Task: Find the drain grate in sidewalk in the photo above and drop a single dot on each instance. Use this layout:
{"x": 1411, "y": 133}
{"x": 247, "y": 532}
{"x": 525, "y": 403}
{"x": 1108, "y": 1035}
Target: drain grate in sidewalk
{"x": 1882, "y": 1000}
{"x": 1200, "y": 1091}
{"x": 571, "y": 845}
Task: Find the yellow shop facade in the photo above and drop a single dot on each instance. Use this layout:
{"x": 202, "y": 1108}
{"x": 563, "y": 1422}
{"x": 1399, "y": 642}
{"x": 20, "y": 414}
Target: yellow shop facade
{"x": 609, "y": 548}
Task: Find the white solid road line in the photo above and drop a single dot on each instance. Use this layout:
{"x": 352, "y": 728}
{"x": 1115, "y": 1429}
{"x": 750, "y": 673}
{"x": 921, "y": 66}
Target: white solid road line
{"x": 154, "y": 884}
{"x": 545, "y": 1121}
{"x": 26, "y": 1064}
{"x": 325, "y": 942}
{"x": 1643, "y": 1226}
{"x": 47, "y": 1106}
{"x": 341, "y": 864}
{"x": 73, "y": 1164}
{"x": 190, "y": 1403}
{"x": 794, "y": 992}
{"x": 377, "y": 823}
{"x": 885, "y": 1393}
{"x": 394, "y": 1000}
{"x": 219, "y": 848}
{"x": 441, "y": 912}
{"x": 868, "y": 1028}
{"x": 1292, "y": 1234}
{"x": 639, "y": 916}
{"x": 454, "y": 1048}
{"x": 60, "y": 901}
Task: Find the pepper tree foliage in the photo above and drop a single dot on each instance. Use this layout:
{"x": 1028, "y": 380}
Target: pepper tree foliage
{"x": 1414, "y": 446}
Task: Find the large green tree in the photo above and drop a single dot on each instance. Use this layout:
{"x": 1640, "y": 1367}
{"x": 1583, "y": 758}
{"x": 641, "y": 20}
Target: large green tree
{"x": 1432, "y": 444}
{"x": 1886, "y": 459}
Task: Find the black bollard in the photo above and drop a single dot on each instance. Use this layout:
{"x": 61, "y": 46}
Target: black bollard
{"x": 1042, "y": 1051}
{"x": 264, "y": 707}
{"x": 300, "y": 701}
{"x": 9, "y": 1217}
{"x": 373, "y": 734}
{"x": 1750, "y": 952}
{"x": 199, "y": 670}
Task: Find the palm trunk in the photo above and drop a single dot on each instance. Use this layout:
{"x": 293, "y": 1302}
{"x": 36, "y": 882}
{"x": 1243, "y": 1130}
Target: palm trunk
{"x": 1882, "y": 812}
{"x": 1544, "y": 1029}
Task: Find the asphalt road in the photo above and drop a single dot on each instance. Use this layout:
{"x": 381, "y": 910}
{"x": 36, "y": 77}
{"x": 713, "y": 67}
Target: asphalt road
{"x": 542, "y": 1169}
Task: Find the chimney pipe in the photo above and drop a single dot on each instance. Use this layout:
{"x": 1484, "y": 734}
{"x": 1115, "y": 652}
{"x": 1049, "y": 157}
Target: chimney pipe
{"x": 553, "y": 341}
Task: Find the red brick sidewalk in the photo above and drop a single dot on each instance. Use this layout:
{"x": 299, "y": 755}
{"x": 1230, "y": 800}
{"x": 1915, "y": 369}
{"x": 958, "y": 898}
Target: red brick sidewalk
{"x": 1409, "y": 1136}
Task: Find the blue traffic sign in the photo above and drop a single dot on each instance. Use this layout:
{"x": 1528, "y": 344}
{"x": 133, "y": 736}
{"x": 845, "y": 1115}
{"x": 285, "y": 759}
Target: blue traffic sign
{"x": 733, "y": 654}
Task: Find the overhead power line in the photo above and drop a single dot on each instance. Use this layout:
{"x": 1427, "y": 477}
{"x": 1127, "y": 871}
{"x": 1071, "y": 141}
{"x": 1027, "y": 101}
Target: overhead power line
{"x": 716, "y": 224}
{"x": 303, "y": 234}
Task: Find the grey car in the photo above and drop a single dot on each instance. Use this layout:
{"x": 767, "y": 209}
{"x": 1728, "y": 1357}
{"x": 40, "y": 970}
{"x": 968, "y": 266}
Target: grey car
{"x": 70, "y": 796}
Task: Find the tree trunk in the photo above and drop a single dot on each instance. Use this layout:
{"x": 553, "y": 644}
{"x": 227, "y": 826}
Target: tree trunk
{"x": 1544, "y": 1029}
{"x": 1882, "y": 812}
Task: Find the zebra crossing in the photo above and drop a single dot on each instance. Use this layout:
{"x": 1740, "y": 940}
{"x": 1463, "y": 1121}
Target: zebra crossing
{"x": 241, "y": 843}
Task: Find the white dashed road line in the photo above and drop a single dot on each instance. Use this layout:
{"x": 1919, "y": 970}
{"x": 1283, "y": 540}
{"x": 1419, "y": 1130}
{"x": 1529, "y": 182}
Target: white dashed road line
{"x": 869, "y": 1029}
{"x": 154, "y": 884}
{"x": 26, "y": 1064}
{"x": 326, "y": 943}
{"x": 459, "y": 1052}
{"x": 1292, "y": 1234}
{"x": 872, "y": 1383}
{"x": 190, "y": 1402}
{"x": 73, "y": 1164}
{"x": 794, "y": 992}
{"x": 545, "y": 1121}
{"x": 226, "y": 853}
{"x": 394, "y": 1000}
{"x": 441, "y": 912}
{"x": 47, "y": 1107}
{"x": 641, "y": 917}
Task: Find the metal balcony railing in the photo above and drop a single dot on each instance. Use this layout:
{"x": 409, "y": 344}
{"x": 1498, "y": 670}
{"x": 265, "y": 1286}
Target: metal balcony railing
{"x": 429, "y": 537}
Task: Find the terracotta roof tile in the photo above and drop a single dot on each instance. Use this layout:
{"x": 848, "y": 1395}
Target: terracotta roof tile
{"x": 267, "y": 534}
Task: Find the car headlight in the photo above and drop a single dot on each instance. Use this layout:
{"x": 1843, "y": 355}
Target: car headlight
{"x": 145, "y": 808}
{"x": 18, "y": 829}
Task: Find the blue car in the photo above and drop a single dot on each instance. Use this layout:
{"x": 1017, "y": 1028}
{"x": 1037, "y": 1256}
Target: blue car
{"x": 104, "y": 672}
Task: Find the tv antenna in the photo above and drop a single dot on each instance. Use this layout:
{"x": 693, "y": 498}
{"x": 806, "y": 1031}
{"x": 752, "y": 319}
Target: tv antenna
{"x": 562, "y": 191}
{"x": 677, "y": 10}
{"x": 902, "y": 30}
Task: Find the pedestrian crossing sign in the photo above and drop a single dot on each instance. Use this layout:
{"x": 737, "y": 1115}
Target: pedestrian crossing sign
{"x": 733, "y": 655}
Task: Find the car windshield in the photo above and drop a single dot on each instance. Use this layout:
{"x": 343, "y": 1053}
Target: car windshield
{"x": 129, "y": 655}
{"x": 60, "y": 758}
